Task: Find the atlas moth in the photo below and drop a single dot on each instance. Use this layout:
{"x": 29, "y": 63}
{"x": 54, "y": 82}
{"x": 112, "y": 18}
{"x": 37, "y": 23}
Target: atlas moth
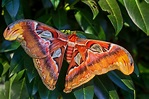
{"x": 48, "y": 47}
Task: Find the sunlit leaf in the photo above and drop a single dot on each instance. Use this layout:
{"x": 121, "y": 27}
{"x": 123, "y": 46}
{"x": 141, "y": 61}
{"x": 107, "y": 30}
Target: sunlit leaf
{"x": 19, "y": 90}
{"x": 113, "y": 94}
{"x": 19, "y": 75}
{"x": 1, "y": 69}
{"x": 2, "y": 93}
{"x": 15, "y": 90}
{"x": 85, "y": 21}
{"x": 115, "y": 16}
{"x": 4, "y": 65}
{"x": 93, "y": 6}
{"x": 55, "y": 3}
{"x": 138, "y": 12}
{"x": 8, "y": 86}
{"x": 147, "y": 1}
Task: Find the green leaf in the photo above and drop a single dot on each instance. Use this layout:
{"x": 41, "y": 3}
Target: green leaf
{"x": 5, "y": 65}
{"x": 35, "y": 86}
{"x": 113, "y": 94}
{"x": 85, "y": 93}
{"x": 144, "y": 80}
{"x": 147, "y": 1}
{"x": 13, "y": 7}
{"x": 19, "y": 75}
{"x": 16, "y": 63}
{"x": 85, "y": 21}
{"x": 4, "y": 2}
{"x": 59, "y": 19}
{"x": 47, "y": 3}
{"x": 7, "y": 17}
{"x": 88, "y": 25}
{"x": 43, "y": 91}
{"x": 122, "y": 81}
{"x": 9, "y": 46}
{"x": 55, "y": 3}
{"x": 93, "y": 6}
{"x": 81, "y": 34}
{"x": 56, "y": 94}
{"x": 8, "y": 86}
{"x": 143, "y": 68}
{"x": 2, "y": 93}
{"x": 46, "y": 18}
{"x": 30, "y": 68}
{"x": 18, "y": 90}
{"x": 104, "y": 88}
{"x": 139, "y": 13}
{"x": 115, "y": 16}
{"x": 1, "y": 69}
{"x": 32, "y": 87}
{"x": 136, "y": 70}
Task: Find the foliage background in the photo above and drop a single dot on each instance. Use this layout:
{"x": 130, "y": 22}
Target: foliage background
{"x": 124, "y": 22}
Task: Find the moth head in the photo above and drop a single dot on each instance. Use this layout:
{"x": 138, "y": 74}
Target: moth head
{"x": 14, "y": 31}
